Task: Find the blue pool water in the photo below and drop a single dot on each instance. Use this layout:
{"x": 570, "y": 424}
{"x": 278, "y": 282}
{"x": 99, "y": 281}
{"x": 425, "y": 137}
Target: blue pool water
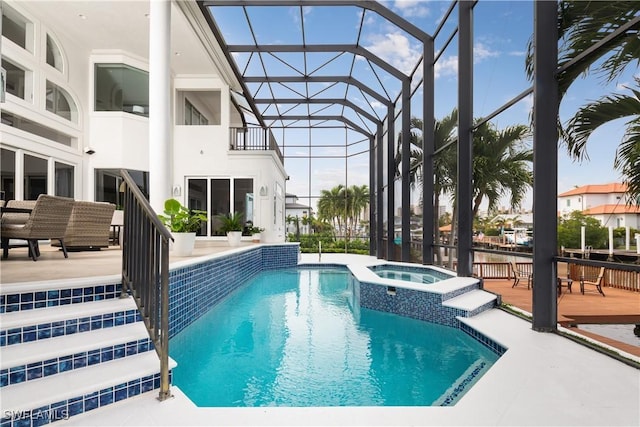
{"x": 296, "y": 338}
{"x": 409, "y": 274}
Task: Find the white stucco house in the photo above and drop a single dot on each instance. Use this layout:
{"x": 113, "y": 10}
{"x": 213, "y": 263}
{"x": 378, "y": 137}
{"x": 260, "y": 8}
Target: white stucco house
{"x": 295, "y": 209}
{"x": 605, "y": 202}
{"x": 80, "y": 86}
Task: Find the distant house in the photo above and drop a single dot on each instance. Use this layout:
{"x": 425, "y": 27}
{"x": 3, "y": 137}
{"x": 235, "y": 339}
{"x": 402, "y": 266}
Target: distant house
{"x": 605, "y": 202}
{"x": 295, "y": 209}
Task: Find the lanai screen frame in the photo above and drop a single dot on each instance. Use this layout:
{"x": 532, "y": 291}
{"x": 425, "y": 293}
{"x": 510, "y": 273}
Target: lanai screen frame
{"x": 545, "y": 135}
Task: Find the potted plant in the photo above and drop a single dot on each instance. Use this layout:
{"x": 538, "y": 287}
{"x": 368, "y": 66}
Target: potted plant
{"x": 231, "y": 224}
{"x": 183, "y": 224}
{"x": 255, "y": 233}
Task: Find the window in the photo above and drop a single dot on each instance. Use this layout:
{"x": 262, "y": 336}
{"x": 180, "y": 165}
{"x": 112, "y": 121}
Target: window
{"x": 108, "y": 182}
{"x": 59, "y": 102}
{"x": 192, "y": 116}
{"x": 15, "y": 78}
{"x": 568, "y": 202}
{"x": 35, "y": 177}
{"x": 64, "y": 174}
{"x": 220, "y": 196}
{"x": 8, "y": 173}
{"x": 16, "y": 28}
{"x": 54, "y": 56}
{"x": 34, "y": 128}
{"x": 119, "y": 87}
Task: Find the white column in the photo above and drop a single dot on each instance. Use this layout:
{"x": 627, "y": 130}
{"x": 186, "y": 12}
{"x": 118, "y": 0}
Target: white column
{"x": 583, "y": 230}
{"x": 627, "y": 238}
{"x": 610, "y": 240}
{"x": 160, "y": 141}
{"x": 638, "y": 243}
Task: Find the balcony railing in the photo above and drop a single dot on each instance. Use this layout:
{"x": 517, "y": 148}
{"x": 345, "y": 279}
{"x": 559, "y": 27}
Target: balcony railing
{"x": 254, "y": 138}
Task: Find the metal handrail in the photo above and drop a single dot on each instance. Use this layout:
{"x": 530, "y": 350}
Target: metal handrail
{"x": 145, "y": 271}
{"x": 253, "y": 139}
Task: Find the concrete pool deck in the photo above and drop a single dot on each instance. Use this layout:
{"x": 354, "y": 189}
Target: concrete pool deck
{"x": 543, "y": 379}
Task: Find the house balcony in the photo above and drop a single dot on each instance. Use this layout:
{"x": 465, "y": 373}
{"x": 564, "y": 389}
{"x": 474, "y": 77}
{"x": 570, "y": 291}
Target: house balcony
{"x": 253, "y": 139}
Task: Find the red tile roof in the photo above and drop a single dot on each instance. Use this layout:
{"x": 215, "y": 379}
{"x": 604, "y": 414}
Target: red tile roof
{"x": 612, "y": 209}
{"x": 614, "y": 187}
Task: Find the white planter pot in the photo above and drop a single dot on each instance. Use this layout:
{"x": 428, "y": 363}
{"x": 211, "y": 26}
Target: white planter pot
{"x": 234, "y": 238}
{"x": 183, "y": 243}
{"x": 255, "y": 238}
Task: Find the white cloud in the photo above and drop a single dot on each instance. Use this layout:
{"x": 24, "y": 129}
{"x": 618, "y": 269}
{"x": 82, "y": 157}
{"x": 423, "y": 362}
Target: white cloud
{"x": 396, "y": 49}
{"x": 481, "y": 52}
{"x": 377, "y": 105}
{"x": 517, "y": 53}
{"x": 446, "y": 66}
{"x": 413, "y": 8}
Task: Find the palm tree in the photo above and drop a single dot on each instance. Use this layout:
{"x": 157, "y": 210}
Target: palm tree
{"x": 330, "y": 206}
{"x": 444, "y": 162}
{"x": 593, "y": 115}
{"x": 500, "y": 165}
{"x": 581, "y": 24}
{"x": 359, "y": 202}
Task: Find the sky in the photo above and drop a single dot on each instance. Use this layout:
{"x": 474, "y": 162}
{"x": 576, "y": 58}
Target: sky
{"x": 502, "y": 30}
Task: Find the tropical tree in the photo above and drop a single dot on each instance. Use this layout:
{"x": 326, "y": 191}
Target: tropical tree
{"x": 582, "y": 24}
{"x": 330, "y": 205}
{"x": 343, "y": 207}
{"x": 569, "y": 231}
{"x": 444, "y": 162}
{"x": 357, "y": 202}
{"x": 501, "y": 165}
{"x": 608, "y": 108}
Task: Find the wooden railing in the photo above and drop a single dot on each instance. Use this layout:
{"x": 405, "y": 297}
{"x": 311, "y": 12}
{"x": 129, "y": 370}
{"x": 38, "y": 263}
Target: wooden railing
{"x": 254, "y": 138}
{"x": 145, "y": 271}
{"x": 613, "y": 278}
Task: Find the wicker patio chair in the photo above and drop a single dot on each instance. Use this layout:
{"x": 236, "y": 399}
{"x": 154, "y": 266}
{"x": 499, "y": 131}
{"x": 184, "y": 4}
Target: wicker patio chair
{"x": 48, "y": 220}
{"x": 89, "y": 226}
{"x": 18, "y": 218}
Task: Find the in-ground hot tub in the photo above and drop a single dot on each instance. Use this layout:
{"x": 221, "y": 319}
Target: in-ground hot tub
{"x": 413, "y": 274}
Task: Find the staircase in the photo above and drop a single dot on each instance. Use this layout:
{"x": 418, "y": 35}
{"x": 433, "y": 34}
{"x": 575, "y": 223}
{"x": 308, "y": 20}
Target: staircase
{"x": 69, "y": 349}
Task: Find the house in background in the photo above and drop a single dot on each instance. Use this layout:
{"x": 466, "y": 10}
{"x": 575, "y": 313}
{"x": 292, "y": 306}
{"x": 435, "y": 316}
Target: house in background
{"x": 76, "y": 112}
{"x": 605, "y": 202}
{"x": 293, "y": 210}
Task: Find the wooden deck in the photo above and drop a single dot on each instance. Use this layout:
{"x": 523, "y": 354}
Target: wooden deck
{"x": 617, "y": 307}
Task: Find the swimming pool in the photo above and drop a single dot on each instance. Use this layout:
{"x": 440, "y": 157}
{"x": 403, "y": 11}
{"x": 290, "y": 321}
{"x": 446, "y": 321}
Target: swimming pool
{"x": 297, "y": 337}
{"x": 410, "y": 273}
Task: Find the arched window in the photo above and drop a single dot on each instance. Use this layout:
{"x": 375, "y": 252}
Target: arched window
{"x": 60, "y": 102}
{"x": 54, "y": 54}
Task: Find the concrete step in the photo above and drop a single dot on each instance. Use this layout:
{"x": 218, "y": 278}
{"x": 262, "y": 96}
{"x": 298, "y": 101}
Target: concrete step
{"x": 472, "y": 301}
{"x": 85, "y": 389}
{"x": 45, "y": 323}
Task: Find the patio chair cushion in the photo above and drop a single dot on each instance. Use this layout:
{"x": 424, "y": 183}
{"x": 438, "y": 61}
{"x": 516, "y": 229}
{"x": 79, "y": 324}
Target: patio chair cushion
{"x": 89, "y": 226}
{"x": 48, "y": 220}
{"x": 15, "y": 217}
